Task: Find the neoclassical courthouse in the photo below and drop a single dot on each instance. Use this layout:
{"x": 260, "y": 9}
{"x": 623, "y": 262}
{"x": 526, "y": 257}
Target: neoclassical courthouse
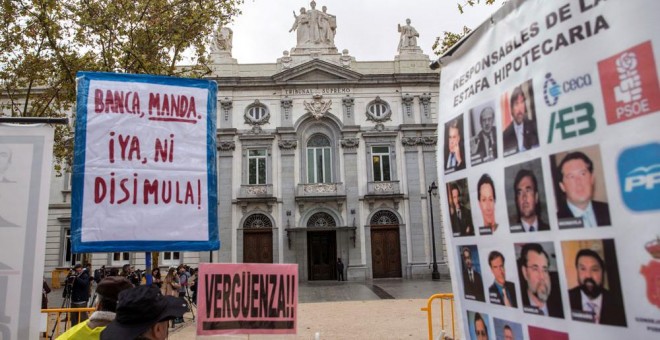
{"x": 320, "y": 157}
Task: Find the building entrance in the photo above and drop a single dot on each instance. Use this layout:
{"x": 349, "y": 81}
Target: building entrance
{"x": 321, "y": 252}
{"x": 257, "y": 239}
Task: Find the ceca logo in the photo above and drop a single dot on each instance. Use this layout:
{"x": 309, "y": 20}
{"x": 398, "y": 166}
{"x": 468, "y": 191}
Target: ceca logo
{"x": 639, "y": 177}
{"x": 552, "y": 90}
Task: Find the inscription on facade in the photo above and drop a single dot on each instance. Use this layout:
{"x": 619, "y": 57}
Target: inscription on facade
{"x": 328, "y": 90}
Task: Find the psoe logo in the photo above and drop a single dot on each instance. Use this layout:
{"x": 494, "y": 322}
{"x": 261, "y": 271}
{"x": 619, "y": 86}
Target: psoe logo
{"x": 629, "y": 83}
{"x": 639, "y": 177}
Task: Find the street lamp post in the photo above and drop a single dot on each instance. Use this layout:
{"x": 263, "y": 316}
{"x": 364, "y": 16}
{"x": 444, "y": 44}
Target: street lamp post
{"x": 433, "y": 190}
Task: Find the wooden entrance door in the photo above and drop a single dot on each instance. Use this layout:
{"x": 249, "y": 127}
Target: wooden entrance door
{"x": 322, "y": 252}
{"x": 258, "y": 246}
{"x": 385, "y": 252}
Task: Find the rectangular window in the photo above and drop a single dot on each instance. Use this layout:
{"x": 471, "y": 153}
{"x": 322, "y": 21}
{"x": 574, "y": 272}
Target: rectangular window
{"x": 257, "y": 166}
{"x": 120, "y": 259}
{"x": 319, "y": 166}
{"x": 380, "y": 159}
{"x": 170, "y": 258}
{"x": 70, "y": 258}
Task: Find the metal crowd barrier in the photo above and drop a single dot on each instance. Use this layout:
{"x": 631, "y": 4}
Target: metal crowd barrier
{"x": 58, "y": 320}
{"x": 443, "y": 298}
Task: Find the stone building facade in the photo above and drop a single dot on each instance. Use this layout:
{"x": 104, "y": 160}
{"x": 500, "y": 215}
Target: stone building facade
{"x": 320, "y": 157}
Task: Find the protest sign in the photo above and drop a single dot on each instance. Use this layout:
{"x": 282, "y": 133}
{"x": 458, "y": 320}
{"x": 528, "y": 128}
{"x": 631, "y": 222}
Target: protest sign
{"x": 549, "y": 113}
{"x": 247, "y": 298}
{"x": 144, "y": 173}
{"x": 26, "y": 154}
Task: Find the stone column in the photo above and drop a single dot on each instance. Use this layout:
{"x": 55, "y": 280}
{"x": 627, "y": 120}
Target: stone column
{"x": 286, "y": 115}
{"x": 431, "y": 174}
{"x": 425, "y": 105}
{"x": 408, "y": 108}
{"x": 350, "y": 250}
{"x": 288, "y": 145}
{"x": 226, "y": 148}
{"x": 225, "y": 117}
{"x": 415, "y": 223}
{"x": 348, "y": 105}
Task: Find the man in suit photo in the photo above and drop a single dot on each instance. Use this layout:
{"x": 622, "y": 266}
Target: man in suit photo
{"x": 460, "y": 216}
{"x": 538, "y": 295}
{"x": 501, "y": 292}
{"x": 472, "y": 282}
{"x": 576, "y": 181}
{"x": 590, "y": 300}
{"x": 528, "y": 205}
{"x": 455, "y": 155}
{"x": 521, "y": 134}
{"x": 486, "y": 139}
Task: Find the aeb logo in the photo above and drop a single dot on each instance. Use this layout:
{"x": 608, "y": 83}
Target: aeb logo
{"x": 639, "y": 177}
{"x": 572, "y": 121}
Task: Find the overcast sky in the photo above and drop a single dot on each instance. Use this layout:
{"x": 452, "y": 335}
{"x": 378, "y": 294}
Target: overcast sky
{"x": 367, "y": 28}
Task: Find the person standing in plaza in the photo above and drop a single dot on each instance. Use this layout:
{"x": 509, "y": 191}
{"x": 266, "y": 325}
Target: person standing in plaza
{"x": 340, "y": 270}
{"x": 79, "y": 293}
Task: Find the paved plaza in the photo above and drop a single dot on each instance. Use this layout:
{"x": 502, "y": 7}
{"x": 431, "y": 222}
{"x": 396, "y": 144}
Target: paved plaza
{"x": 374, "y": 309}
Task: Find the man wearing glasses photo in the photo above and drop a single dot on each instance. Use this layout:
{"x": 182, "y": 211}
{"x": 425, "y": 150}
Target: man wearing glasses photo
{"x": 536, "y": 286}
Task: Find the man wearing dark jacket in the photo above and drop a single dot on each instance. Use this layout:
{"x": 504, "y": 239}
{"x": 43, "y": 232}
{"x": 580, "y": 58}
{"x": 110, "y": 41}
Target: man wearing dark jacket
{"x": 79, "y": 292}
{"x": 539, "y": 287}
{"x": 501, "y": 292}
{"x": 521, "y": 134}
{"x": 527, "y": 202}
{"x": 577, "y": 183}
{"x": 590, "y": 301}
{"x": 472, "y": 282}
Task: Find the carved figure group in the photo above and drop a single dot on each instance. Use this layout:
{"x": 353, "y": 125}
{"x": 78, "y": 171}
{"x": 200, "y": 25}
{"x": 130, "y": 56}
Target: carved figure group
{"x": 314, "y": 27}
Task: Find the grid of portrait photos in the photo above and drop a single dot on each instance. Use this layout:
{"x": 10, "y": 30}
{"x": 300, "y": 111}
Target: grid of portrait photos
{"x": 530, "y": 222}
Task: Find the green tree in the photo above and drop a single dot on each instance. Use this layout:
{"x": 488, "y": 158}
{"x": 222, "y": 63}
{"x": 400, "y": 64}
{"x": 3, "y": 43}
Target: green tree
{"x": 444, "y": 43}
{"x": 44, "y": 43}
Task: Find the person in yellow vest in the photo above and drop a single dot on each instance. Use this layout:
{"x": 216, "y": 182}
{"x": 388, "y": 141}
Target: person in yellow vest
{"x": 107, "y": 293}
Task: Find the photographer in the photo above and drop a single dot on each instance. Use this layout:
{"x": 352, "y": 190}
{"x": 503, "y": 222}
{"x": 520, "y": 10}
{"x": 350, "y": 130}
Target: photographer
{"x": 78, "y": 280}
{"x": 128, "y": 272}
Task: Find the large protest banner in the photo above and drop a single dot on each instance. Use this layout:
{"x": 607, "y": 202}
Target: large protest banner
{"x": 26, "y": 154}
{"x": 551, "y": 171}
{"x": 144, "y": 174}
{"x": 247, "y": 298}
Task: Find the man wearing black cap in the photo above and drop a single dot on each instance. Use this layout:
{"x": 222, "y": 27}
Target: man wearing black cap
{"x": 79, "y": 292}
{"x": 143, "y": 313}
{"x": 107, "y": 292}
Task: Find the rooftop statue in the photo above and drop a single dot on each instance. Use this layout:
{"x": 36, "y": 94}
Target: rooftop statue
{"x": 408, "y": 37}
{"x": 222, "y": 40}
{"x": 314, "y": 28}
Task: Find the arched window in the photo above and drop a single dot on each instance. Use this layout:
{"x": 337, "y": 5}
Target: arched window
{"x": 319, "y": 159}
{"x": 257, "y": 221}
{"x": 321, "y": 220}
{"x": 384, "y": 217}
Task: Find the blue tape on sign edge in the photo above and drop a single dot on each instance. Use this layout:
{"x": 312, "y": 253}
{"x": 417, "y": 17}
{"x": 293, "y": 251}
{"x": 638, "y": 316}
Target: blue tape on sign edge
{"x": 77, "y": 246}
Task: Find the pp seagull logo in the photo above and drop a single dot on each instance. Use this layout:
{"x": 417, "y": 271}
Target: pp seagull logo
{"x": 639, "y": 176}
